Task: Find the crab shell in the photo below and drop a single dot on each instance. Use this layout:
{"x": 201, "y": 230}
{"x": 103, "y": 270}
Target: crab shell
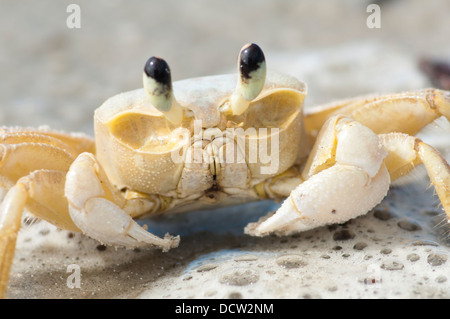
{"x": 135, "y": 143}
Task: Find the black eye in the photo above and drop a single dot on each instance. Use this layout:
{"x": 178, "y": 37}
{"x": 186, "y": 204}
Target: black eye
{"x": 251, "y": 58}
{"x": 158, "y": 69}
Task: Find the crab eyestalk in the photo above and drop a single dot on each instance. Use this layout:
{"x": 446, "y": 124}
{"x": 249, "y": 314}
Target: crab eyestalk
{"x": 158, "y": 86}
{"x": 252, "y": 76}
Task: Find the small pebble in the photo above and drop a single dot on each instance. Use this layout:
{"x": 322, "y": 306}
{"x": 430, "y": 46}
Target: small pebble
{"x": 436, "y": 259}
{"x": 291, "y": 261}
{"x": 408, "y": 225}
{"x": 206, "y": 267}
{"x": 343, "y": 234}
{"x": 386, "y": 251}
{"x": 235, "y": 295}
{"x": 441, "y": 279}
{"x": 360, "y": 246}
{"x": 413, "y": 257}
{"x": 393, "y": 265}
{"x": 382, "y": 214}
{"x": 421, "y": 242}
{"x": 101, "y": 247}
{"x": 239, "y": 277}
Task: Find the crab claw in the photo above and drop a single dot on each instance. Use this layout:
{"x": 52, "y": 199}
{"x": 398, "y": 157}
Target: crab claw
{"x": 252, "y": 76}
{"x": 98, "y": 209}
{"x": 158, "y": 85}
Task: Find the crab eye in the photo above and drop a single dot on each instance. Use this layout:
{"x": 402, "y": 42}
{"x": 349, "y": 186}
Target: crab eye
{"x": 158, "y": 86}
{"x": 252, "y": 76}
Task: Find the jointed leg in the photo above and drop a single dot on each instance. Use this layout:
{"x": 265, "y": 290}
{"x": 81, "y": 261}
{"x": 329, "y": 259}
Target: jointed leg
{"x": 14, "y": 204}
{"x": 405, "y": 152}
{"x": 92, "y": 206}
{"x": 42, "y": 192}
{"x": 33, "y": 166}
{"x": 404, "y": 112}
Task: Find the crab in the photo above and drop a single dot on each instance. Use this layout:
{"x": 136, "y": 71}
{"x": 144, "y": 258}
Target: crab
{"x": 217, "y": 140}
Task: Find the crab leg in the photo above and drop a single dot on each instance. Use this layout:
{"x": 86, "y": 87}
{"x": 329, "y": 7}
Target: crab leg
{"x": 404, "y": 112}
{"x": 13, "y": 203}
{"x": 42, "y": 192}
{"x": 406, "y": 152}
{"x": 33, "y": 166}
{"x": 19, "y": 160}
{"x": 345, "y": 177}
{"x": 98, "y": 209}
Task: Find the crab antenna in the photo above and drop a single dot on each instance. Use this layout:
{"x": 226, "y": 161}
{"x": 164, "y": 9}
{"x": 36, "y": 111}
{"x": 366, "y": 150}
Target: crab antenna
{"x": 158, "y": 86}
{"x": 252, "y": 76}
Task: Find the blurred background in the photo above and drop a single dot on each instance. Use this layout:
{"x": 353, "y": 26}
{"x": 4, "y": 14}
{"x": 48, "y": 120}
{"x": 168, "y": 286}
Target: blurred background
{"x": 56, "y": 75}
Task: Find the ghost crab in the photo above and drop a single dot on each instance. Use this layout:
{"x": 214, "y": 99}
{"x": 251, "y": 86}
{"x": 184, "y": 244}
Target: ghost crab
{"x": 161, "y": 149}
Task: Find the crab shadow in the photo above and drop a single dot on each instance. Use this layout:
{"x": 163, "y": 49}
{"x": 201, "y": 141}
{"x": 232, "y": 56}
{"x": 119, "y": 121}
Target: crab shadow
{"x": 223, "y": 220}
{"x": 107, "y": 272}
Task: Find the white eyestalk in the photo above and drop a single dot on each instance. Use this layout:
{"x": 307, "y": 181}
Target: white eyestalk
{"x": 158, "y": 85}
{"x": 252, "y": 76}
